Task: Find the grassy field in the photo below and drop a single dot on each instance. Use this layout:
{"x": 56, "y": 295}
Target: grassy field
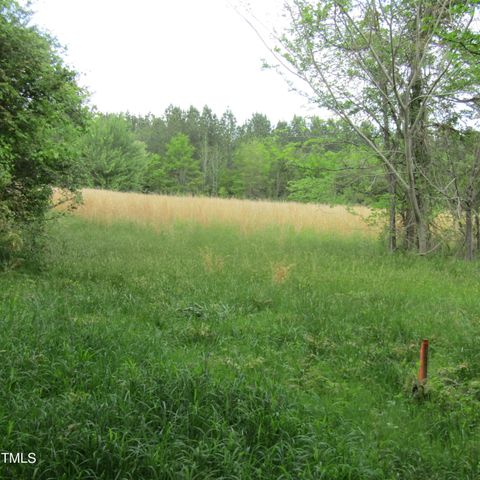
{"x": 204, "y": 352}
{"x": 159, "y": 211}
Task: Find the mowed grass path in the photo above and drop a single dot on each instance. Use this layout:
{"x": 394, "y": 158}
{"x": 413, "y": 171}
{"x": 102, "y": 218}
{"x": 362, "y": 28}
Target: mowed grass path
{"x": 204, "y": 353}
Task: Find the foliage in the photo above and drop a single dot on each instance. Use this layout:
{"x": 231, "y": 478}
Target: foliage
{"x": 350, "y": 175}
{"x": 400, "y": 66}
{"x": 41, "y": 116}
{"x": 112, "y": 155}
{"x": 181, "y": 170}
{"x": 252, "y": 166}
{"x": 255, "y": 160}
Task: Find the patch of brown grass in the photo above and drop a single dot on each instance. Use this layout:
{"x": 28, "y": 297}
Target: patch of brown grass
{"x": 164, "y": 210}
{"x": 211, "y": 262}
{"x": 281, "y": 272}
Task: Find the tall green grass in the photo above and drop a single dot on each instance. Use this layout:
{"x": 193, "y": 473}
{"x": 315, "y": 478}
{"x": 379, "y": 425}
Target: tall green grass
{"x": 184, "y": 354}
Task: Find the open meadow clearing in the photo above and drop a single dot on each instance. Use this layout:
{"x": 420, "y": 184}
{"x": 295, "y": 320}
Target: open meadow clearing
{"x": 253, "y": 286}
{"x": 160, "y": 211}
{"x": 202, "y": 350}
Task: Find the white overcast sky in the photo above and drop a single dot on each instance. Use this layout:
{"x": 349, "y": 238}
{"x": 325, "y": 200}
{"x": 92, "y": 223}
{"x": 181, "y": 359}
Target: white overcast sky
{"x": 145, "y": 55}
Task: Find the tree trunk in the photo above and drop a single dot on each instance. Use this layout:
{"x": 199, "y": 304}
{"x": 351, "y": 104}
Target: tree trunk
{"x": 477, "y": 231}
{"x": 205, "y": 162}
{"x": 410, "y": 233}
{"x": 392, "y": 231}
{"x": 415, "y": 217}
{"x": 415, "y": 135}
{"x": 422, "y": 232}
{"x": 423, "y": 224}
{"x": 468, "y": 234}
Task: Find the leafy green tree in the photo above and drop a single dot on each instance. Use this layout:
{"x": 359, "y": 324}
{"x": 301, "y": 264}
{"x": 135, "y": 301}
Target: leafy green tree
{"x": 397, "y": 63}
{"x": 150, "y": 130}
{"x": 209, "y": 150}
{"x": 458, "y": 154}
{"x": 42, "y": 114}
{"x": 282, "y": 168}
{"x": 228, "y": 142}
{"x": 252, "y": 165}
{"x": 348, "y": 176}
{"x": 114, "y": 158}
{"x": 257, "y": 127}
{"x": 261, "y": 169}
{"x": 182, "y": 171}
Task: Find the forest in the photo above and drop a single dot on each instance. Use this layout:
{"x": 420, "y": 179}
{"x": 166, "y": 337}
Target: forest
{"x": 188, "y": 152}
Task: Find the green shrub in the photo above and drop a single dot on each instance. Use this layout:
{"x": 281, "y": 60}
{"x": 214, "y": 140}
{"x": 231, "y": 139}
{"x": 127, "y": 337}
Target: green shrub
{"x": 41, "y": 116}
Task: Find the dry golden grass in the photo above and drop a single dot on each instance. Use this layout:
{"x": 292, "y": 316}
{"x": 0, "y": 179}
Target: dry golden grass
{"x": 280, "y": 272}
{"x": 212, "y": 263}
{"x": 163, "y": 210}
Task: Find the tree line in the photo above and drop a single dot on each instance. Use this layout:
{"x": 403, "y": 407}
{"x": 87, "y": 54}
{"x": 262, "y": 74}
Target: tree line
{"x": 193, "y": 152}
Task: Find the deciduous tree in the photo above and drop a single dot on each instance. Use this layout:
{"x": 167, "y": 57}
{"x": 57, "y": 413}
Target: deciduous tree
{"x": 394, "y": 63}
{"x": 41, "y": 116}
